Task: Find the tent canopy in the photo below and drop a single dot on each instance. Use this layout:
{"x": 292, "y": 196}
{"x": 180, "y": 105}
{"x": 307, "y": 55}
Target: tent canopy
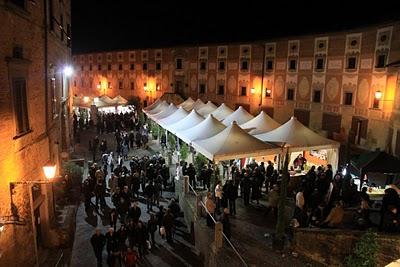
{"x": 207, "y": 109}
{"x": 153, "y": 106}
{"x": 240, "y": 116}
{"x": 222, "y": 112}
{"x": 119, "y": 100}
{"x": 189, "y": 121}
{"x": 376, "y": 161}
{"x": 206, "y": 129}
{"x": 232, "y": 143}
{"x": 262, "y": 123}
{"x": 187, "y": 104}
{"x": 298, "y": 137}
{"x": 165, "y": 113}
{"x": 178, "y": 115}
{"x": 164, "y": 105}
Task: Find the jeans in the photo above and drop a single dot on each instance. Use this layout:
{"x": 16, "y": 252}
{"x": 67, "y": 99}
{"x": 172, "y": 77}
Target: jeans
{"x": 232, "y": 206}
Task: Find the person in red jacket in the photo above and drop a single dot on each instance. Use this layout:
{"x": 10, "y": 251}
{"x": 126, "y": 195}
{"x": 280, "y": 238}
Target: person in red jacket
{"x": 131, "y": 258}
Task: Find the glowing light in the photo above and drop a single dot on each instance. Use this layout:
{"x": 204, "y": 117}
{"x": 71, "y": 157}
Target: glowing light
{"x": 86, "y": 99}
{"x": 268, "y": 91}
{"x": 1, "y": 227}
{"x": 68, "y": 71}
{"x": 49, "y": 171}
{"x": 252, "y": 90}
{"x": 98, "y": 86}
{"x": 145, "y": 88}
{"x": 378, "y": 94}
{"x": 344, "y": 172}
{"x": 96, "y": 99}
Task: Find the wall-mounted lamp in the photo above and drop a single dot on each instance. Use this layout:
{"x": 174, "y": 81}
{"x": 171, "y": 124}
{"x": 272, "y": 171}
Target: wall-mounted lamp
{"x": 86, "y": 100}
{"x": 268, "y": 92}
{"x": 378, "y": 95}
{"x": 252, "y": 90}
{"x": 68, "y": 71}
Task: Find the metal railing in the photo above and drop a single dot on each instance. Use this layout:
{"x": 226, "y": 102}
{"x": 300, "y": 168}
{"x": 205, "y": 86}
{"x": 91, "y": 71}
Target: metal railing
{"x": 60, "y": 261}
{"x": 213, "y": 219}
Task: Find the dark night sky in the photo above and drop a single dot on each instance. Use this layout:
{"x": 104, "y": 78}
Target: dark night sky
{"x": 99, "y": 25}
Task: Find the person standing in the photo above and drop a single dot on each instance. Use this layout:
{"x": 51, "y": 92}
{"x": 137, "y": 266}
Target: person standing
{"x": 168, "y": 223}
{"x": 152, "y": 227}
{"x": 218, "y": 195}
{"x": 232, "y": 194}
{"x": 98, "y": 240}
{"x": 210, "y": 206}
{"x": 191, "y": 172}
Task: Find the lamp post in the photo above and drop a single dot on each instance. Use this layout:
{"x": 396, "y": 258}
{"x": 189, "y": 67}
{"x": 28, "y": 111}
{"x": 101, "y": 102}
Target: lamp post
{"x": 262, "y": 78}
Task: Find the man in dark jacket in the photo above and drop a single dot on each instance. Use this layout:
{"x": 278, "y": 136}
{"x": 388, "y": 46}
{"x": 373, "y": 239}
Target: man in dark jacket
{"x": 232, "y": 194}
{"x": 191, "y": 172}
{"x": 134, "y": 212}
{"x": 98, "y": 241}
{"x": 168, "y": 223}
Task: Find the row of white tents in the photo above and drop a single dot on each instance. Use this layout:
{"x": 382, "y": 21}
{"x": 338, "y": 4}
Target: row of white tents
{"x": 220, "y": 133}
{"x": 100, "y": 102}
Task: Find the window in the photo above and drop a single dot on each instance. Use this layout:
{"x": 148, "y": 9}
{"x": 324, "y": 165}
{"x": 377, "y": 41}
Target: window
{"x": 348, "y": 99}
{"x": 18, "y": 52}
{"x": 144, "y": 66}
{"x": 109, "y": 85}
{"x": 381, "y": 61}
{"x": 221, "y": 90}
{"x": 244, "y": 66}
{"x": 243, "y": 91}
{"x": 290, "y": 94}
{"x": 351, "y": 63}
{"x": 317, "y": 96}
{"x": 132, "y": 66}
{"x": 109, "y": 67}
{"x": 319, "y": 64}
{"x": 90, "y": 67}
{"x": 178, "y": 63}
{"x": 132, "y": 86}
{"x": 51, "y": 15}
{"x": 120, "y": 85}
{"x": 158, "y": 66}
{"x": 221, "y": 65}
{"x": 202, "y": 88}
{"x": 203, "y": 65}
{"x": 99, "y": 67}
{"x": 269, "y": 65}
{"x": 20, "y": 106}
{"x": 120, "y": 66}
{"x": 19, "y": 3}
{"x": 292, "y": 64}
{"x": 62, "y": 28}
{"x": 267, "y": 92}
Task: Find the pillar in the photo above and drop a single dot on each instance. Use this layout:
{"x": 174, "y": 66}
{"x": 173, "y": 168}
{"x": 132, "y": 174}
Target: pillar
{"x": 185, "y": 184}
{"x": 218, "y": 235}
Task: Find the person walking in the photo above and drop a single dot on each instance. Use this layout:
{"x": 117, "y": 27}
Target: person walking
{"x": 98, "y": 240}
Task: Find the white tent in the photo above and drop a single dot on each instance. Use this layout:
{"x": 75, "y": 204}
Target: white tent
{"x": 153, "y": 106}
{"x": 164, "y": 105}
{"x": 298, "y": 137}
{"x": 187, "y": 104}
{"x": 207, "y": 109}
{"x": 233, "y": 143}
{"x": 222, "y": 112}
{"x": 262, "y": 123}
{"x": 119, "y": 100}
{"x": 198, "y": 104}
{"x": 178, "y": 115}
{"x": 206, "y": 129}
{"x": 189, "y": 121}
{"x": 240, "y": 116}
{"x": 106, "y": 99}
{"x": 165, "y": 113}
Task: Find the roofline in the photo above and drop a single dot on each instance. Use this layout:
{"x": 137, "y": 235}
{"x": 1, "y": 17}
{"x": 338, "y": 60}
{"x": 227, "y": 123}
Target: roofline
{"x": 266, "y": 40}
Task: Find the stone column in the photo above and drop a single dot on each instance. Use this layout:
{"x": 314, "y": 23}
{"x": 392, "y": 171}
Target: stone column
{"x": 199, "y": 207}
{"x": 218, "y": 235}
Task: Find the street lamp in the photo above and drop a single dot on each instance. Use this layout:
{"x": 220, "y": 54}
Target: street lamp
{"x": 68, "y": 71}
{"x": 378, "y": 94}
{"x": 252, "y": 90}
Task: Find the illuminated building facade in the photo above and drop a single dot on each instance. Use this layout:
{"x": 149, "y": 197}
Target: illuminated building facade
{"x": 34, "y": 122}
{"x": 336, "y": 83}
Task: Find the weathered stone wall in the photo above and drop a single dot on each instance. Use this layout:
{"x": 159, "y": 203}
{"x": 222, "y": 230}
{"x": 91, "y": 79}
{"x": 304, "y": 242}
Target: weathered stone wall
{"x": 330, "y": 247}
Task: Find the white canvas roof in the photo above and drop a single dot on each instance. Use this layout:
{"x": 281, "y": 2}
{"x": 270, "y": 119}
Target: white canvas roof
{"x": 207, "y": 109}
{"x": 240, "y": 116}
{"x": 206, "y": 129}
{"x": 165, "y": 113}
{"x": 222, "y": 112}
{"x": 119, "y": 100}
{"x": 178, "y": 115}
{"x": 153, "y": 106}
{"x": 262, "y": 123}
{"x": 189, "y": 121}
{"x": 298, "y": 137}
{"x": 187, "y": 104}
{"x": 232, "y": 143}
{"x": 158, "y": 109}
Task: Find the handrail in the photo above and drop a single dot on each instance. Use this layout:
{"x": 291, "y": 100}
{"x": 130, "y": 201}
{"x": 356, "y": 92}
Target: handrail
{"x": 212, "y": 217}
{"x": 61, "y": 258}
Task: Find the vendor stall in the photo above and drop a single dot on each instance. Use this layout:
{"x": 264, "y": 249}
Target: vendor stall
{"x": 262, "y": 123}
{"x": 206, "y": 129}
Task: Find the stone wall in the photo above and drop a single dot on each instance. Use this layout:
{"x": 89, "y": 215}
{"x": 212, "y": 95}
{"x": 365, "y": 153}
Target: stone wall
{"x": 330, "y": 247}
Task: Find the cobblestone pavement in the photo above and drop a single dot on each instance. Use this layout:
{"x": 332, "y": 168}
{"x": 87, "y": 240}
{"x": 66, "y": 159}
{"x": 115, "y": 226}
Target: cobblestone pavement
{"x": 180, "y": 253}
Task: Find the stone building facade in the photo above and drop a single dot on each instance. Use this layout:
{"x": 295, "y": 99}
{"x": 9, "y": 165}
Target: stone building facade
{"x": 336, "y": 83}
{"x": 34, "y": 118}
